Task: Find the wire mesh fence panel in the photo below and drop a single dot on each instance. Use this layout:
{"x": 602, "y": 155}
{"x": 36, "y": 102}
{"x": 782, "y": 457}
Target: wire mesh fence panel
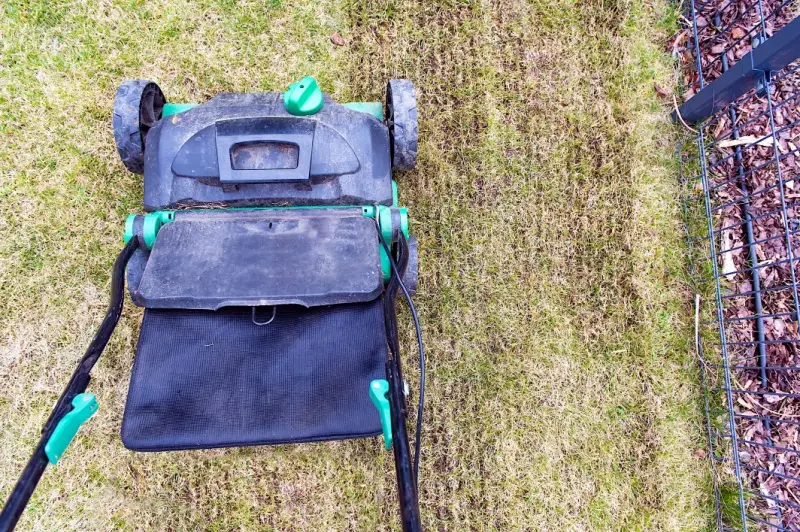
{"x": 740, "y": 184}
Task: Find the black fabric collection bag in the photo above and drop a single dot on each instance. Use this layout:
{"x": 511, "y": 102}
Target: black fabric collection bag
{"x": 206, "y": 379}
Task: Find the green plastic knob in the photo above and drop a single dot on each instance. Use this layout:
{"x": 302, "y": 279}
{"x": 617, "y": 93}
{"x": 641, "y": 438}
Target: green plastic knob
{"x": 303, "y": 97}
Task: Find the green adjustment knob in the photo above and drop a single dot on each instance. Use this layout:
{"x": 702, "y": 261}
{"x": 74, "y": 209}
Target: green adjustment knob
{"x": 303, "y": 97}
{"x": 377, "y": 392}
{"x": 84, "y": 405}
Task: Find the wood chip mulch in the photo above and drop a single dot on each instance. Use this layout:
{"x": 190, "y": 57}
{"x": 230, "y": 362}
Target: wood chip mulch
{"x": 756, "y": 172}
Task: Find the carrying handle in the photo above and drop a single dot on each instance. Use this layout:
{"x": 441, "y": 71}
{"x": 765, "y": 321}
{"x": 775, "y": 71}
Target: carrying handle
{"x": 288, "y": 138}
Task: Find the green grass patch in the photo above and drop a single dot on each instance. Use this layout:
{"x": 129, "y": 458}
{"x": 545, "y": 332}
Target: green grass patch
{"x": 562, "y": 382}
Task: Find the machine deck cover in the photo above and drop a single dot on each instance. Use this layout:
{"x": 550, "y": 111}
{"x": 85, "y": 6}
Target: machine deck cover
{"x": 305, "y": 257}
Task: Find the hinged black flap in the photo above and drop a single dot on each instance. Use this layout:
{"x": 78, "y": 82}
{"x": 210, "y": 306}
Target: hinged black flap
{"x": 309, "y": 257}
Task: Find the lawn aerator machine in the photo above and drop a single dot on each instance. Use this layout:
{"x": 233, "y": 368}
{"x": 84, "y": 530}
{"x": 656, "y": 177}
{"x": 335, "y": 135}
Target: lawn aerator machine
{"x": 268, "y": 263}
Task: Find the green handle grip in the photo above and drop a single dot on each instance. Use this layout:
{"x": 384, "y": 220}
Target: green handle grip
{"x": 84, "y": 405}
{"x": 377, "y": 392}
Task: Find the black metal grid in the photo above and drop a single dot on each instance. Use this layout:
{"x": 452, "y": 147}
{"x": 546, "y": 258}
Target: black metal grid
{"x": 740, "y": 196}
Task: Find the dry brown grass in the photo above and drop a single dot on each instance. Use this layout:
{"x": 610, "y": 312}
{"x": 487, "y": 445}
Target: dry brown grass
{"x": 562, "y": 389}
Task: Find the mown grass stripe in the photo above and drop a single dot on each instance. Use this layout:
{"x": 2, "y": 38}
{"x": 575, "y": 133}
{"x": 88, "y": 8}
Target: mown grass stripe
{"x": 561, "y": 383}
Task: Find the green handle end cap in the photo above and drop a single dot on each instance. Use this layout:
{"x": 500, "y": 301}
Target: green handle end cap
{"x": 377, "y": 392}
{"x": 303, "y": 97}
{"x": 128, "y": 228}
{"x": 84, "y": 406}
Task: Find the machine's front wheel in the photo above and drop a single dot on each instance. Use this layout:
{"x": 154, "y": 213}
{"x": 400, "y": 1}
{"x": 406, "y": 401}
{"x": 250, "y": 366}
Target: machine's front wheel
{"x": 138, "y": 105}
{"x": 401, "y": 117}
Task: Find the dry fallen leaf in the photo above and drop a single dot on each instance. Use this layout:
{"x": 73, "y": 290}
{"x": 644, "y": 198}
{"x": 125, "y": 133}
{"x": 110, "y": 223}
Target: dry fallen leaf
{"x": 661, "y": 91}
{"x": 700, "y": 453}
{"x": 737, "y": 33}
{"x": 772, "y": 399}
{"x": 728, "y": 266}
{"x": 337, "y": 39}
{"x": 744, "y": 140}
{"x": 744, "y": 456}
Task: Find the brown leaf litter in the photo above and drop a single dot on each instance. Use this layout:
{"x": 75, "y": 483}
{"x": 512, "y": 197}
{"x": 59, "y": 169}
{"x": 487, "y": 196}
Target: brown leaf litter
{"x": 764, "y": 181}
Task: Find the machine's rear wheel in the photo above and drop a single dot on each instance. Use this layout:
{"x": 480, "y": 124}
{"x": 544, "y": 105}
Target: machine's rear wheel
{"x": 138, "y": 105}
{"x": 411, "y": 276}
{"x": 401, "y": 117}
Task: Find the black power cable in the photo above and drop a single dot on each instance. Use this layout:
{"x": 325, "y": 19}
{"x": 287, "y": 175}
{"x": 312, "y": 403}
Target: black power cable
{"x": 415, "y": 318}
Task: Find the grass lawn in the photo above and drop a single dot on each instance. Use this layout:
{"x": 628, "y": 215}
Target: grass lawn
{"x": 562, "y": 384}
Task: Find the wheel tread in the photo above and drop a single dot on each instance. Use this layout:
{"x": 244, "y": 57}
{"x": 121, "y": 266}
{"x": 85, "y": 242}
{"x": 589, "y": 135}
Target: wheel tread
{"x": 125, "y": 122}
{"x": 405, "y": 126}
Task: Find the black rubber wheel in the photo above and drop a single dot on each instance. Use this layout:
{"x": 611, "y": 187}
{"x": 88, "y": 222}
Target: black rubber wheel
{"x": 401, "y": 117}
{"x": 138, "y": 105}
{"x": 411, "y": 276}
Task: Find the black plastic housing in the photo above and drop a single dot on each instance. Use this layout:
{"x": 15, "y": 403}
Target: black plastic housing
{"x": 342, "y": 156}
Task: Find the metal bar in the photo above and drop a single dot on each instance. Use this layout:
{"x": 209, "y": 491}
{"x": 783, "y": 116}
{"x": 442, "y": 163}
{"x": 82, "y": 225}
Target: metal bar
{"x": 769, "y": 446}
{"x": 752, "y": 317}
{"x": 773, "y": 473}
{"x": 726, "y": 177}
{"x": 761, "y": 216}
{"x": 771, "y": 419}
{"x": 768, "y": 524}
{"x": 774, "y": 54}
{"x": 767, "y": 342}
{"x": 753, "y": 392}
{"x": 778, "y": 288}
{"x": 711, "y": 455}
{"x": 751, "y": 244}
{"x": 721, "y": 184}
{"x": 755, "y": 143}
{"x": 762, "y": 241}
{"x": 760, "y": 267}
{"x": 697, "y": 55}
{"x": 758, "y": 192}
{"x": 742, "y": 13}
{"x": 720, "y": 319}
{"x": 35, "y": 467}
{"x": 404, "y": 467}
{"x": 773, "y": 499}
{"x": 776, "y": 150}
{"x": 754, "y": 368}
